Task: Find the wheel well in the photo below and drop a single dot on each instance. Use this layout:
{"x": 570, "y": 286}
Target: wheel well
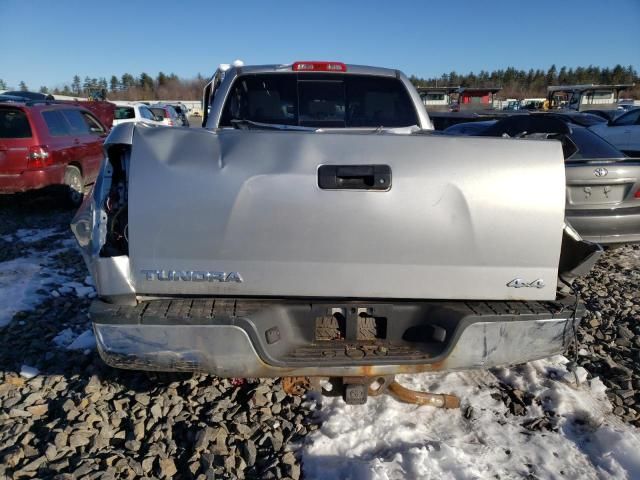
{"x": 75, "y": 164}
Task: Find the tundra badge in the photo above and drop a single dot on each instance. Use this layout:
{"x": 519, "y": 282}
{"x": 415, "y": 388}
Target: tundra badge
{"x": 191, "y": 276}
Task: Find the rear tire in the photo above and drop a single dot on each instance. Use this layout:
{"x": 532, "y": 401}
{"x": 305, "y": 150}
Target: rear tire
{"x": 75, "y": 185}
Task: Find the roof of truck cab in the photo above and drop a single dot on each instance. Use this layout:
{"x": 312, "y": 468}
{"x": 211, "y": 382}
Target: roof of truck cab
{"x": 287, "y": 68}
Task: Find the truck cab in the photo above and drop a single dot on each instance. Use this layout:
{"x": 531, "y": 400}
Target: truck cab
{"x": 327, "y": 95}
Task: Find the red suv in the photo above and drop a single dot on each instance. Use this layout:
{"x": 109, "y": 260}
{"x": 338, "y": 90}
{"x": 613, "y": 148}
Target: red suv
{"x": 43, "y": 144}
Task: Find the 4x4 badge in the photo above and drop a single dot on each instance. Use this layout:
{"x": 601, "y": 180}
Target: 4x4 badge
{"x": 520, "y": 283}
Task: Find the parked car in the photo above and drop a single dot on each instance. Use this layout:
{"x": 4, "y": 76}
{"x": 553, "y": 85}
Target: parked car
{"x": 467, "y": 128}
{"x": 606, "y": 115}
{"x": 603, "y": 184}
{"x": 584, "y": 119}
{"x": 11, "y": 98}
{"x": 30, "y": 95}
{"x": 167, "y": 114}
{"x": 627, "y": 105}
{"x": 623, "y": 132}
{"x": 136, "y": 112}
{"x": 183, "y": 113}
{"x": 319, "y": 228}
{"x": 44, "y": 144}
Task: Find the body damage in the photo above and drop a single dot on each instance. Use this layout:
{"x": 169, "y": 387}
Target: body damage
{"x": 208, "y": 215}
{"x": 458, "y": 223}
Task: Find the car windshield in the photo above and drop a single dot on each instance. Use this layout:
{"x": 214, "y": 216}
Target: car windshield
{"x": 124, "y": 113}
{"x": 14, "y": 124}
{"x": 320, "y": 100}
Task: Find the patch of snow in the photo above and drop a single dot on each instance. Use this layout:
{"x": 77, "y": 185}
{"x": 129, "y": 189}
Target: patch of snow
{"x": 85, "y": 291}
{"x": 28, "y": 372}
{"x": 85, "y": 341}
{"x": 19, "y": 281}
{"x": 69, "y": 340}
{"x": 580, "y": 375}
{"x": 386, "y": 439}
{"x": 64, "y": 338}
{"x": 81, "y": 289}
{"x": 29, "y": 235}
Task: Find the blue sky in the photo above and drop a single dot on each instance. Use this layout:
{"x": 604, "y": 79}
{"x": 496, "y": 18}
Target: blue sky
{"x": 46, "y": 43}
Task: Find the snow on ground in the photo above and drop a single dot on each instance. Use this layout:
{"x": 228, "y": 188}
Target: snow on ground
{"x": 28, "y": 372}
{"x": 19, "y": 280}
{"x": 385, "y": 439}
{"x": 22, "y": 280}
{"x": 34, "y": 235}
{"x": 80, "y": 289}
{"x": 71, "y": 341}
{"x": 85, "y": 341}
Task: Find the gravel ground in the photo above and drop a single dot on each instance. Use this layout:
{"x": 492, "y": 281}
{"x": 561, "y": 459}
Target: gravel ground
{"x": 81, "y": 419}
{"x": 609, "y": 335}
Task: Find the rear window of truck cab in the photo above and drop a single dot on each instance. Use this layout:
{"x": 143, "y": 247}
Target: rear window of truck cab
{"x": 320, "y": 100}
{"x": 14, "y": 123}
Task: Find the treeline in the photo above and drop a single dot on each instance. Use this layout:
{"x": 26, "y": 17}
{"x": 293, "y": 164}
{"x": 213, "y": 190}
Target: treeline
{"x": 514, "y": 83}
{"x": 534, "y": 83}
{"x": 130, "y": 87}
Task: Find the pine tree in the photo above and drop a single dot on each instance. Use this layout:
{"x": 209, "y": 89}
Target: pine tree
{"x": 44, "y": 89}
{"x": 127, "y": 81}
{"x": 75, "y": 86}
{"x": 552, "y": 76}
{"x": 23, "y": 86}
{"x": 3, "y": 85}
{"x": 145, "y": 81}
{"x": 161, "y": 79}
{"x": 114, "y": 84}
{"x": 86, "y": 85}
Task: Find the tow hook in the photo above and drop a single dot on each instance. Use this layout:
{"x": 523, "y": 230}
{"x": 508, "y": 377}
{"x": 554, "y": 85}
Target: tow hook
{"x": 356, "y": 390}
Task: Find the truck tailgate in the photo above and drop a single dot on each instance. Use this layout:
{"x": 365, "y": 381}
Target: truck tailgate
{"x": 240, "y": 212}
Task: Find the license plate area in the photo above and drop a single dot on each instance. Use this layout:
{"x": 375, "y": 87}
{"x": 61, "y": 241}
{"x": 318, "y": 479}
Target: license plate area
{"x": 597, "y": 194}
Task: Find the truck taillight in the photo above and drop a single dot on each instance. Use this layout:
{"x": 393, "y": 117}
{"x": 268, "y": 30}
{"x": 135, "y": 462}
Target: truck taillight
{"x": 319, "y": 67}
{"x": 39, "y": 157}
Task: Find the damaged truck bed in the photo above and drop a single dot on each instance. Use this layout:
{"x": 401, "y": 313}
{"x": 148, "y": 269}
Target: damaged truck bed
{"x": 316, "y": 228}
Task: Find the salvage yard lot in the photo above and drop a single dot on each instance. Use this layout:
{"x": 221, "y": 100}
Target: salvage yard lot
{"x": 64, "y": 411}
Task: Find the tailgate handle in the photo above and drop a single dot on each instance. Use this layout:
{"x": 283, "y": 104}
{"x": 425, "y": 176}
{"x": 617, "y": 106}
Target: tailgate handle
{"x": 354, "y": 177}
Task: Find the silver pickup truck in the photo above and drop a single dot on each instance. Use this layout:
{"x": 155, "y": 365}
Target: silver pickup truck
{"x": 316, "y": 227}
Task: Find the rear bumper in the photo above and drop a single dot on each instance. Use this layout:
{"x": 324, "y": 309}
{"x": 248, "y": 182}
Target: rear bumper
{"x": 620, "y": 225}
{"x": 270, "y": 339}
{"x": 31, "y": 179}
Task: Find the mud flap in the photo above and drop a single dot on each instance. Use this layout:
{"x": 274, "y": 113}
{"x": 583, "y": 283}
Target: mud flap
{"x": 577, "y": 256}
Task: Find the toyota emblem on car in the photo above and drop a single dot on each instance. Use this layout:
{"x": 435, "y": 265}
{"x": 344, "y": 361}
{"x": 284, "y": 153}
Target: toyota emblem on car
{"x": 600, "y": 172}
